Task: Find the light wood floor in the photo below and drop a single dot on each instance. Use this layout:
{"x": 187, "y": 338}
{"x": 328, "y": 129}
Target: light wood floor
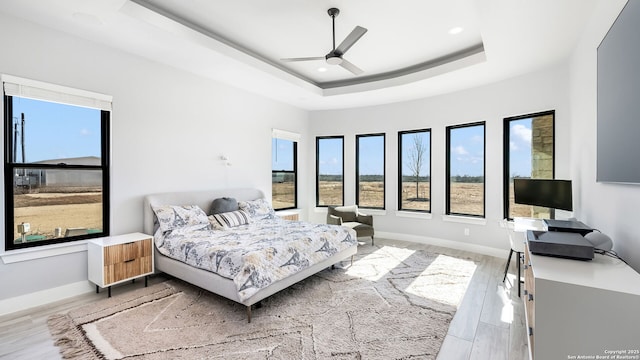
{"x": 489, "y": 323}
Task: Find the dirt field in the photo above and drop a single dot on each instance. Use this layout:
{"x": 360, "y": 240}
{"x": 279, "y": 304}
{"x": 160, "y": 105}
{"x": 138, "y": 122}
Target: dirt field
{"x": 47, "y": 211}
{"x": 467, "y": 197}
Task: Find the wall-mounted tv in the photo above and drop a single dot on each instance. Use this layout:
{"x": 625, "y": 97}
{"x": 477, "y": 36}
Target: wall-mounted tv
{"x": 618, "y": 101}
{"x": 554, "y": 194}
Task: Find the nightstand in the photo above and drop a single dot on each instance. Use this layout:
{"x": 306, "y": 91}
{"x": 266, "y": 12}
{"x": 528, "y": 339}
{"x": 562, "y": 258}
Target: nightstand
{"x": 288, "y": 215}
{"x": 116, "y": 259}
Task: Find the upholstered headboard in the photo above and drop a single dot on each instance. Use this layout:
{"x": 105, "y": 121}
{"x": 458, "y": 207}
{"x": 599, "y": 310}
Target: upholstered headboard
{"x": 201, "y": 198}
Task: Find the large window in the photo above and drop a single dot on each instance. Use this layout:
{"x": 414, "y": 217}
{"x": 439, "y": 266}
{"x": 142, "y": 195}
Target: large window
{"x": 329, "y": 170}
{"x": 284, "y": 173}
{"x": 529, "y": 153}
{"x": 370, "y": 171}
{"x": 414, "y": 170}
{"x": 56, "y": 168}
{"x": 465, "y": 190}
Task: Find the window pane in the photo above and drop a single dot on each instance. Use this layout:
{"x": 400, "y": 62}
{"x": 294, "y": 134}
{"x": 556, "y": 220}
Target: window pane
{"x": 466, "y": 170}
{"x": 282, "y": 155}
{"x": 415, "y": 152}
{"x": 531, "y": 155}
{"x": 330, "y": 181}
{"x": 370, "y": 149}
{"x": 57, "y": 203}
{"x": 283, "y": 190}
{"x": 283, "y": 175}
{"x": 50, "y": 133}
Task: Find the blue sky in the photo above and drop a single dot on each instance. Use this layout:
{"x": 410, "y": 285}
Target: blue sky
{"x": 330, "y": 156}
{"x": 56, "y": 131}
{"x": 281, "y": 154}
{"x": 520, "y": 148}
{"x": 467, "y": 151}
{"x": 371, "y": 153}
{"x": 408, "y": 147}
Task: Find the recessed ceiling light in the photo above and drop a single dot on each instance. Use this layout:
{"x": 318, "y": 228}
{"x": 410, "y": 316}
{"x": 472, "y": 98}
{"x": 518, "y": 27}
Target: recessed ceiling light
{"x": 456, "y": 30}
{"x": 322, "y": 69}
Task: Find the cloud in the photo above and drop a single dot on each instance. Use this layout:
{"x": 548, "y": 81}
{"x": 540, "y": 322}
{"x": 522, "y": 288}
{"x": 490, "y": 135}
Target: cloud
{"x": 513, "y": 146}
{"x": 460, "y": 150}
{"x": 85, "y": 132}
{"x": 522, "y": 132}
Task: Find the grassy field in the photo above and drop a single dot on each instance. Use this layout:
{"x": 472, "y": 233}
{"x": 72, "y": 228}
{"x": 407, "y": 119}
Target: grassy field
{"x": 467, "y": 198}
{"x": 46, "y": 211}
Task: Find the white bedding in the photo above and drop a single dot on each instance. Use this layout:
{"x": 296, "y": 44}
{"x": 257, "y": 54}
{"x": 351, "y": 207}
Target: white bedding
{"x": 257, "y": 254}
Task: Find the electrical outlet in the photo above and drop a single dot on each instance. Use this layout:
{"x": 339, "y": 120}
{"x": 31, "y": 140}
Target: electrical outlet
{"x": 466, "y": 231}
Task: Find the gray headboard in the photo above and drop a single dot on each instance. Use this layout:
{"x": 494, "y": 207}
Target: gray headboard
{"x": 200, "y": 198}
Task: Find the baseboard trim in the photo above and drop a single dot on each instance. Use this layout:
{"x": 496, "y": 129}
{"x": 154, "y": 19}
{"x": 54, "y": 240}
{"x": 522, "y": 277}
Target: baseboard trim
{"x": 43, "y": 297}
{"x": 479, "y": 249}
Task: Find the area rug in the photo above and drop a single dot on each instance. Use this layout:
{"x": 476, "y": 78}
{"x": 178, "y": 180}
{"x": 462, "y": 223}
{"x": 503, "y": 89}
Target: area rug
{"x": 391, "y": 303}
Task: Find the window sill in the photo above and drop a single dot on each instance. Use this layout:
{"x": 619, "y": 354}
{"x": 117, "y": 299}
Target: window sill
{"x": 464, "y": 219}
{"x": 414, "y": 215}
{"x": 14, "y": 256}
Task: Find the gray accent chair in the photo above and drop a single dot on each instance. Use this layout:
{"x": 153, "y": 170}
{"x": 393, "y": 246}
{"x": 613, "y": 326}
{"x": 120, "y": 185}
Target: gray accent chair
{"x": 349, "y": 216}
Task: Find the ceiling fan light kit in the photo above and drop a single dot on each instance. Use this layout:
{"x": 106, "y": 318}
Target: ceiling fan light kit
{"x": 334, "y": 57}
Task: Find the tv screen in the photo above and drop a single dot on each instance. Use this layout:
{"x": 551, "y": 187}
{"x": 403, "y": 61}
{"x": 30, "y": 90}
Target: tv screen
{"x": 555, "y": 194}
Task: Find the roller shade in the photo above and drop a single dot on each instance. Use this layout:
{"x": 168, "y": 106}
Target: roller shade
{"x": 32, "y": 89}
{"x": 285, "y": 135}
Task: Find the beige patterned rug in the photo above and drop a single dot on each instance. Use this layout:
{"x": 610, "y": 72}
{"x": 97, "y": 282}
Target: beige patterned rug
{"x": 392, "y": 303}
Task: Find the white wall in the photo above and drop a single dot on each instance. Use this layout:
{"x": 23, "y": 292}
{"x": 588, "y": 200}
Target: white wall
{"x": 169, "y": 129}
{"x": 612, "y": 208}
{"x": 535, "y": 92}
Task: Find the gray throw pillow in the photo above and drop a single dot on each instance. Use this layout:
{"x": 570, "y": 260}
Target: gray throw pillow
{"x": 223, "y": 205}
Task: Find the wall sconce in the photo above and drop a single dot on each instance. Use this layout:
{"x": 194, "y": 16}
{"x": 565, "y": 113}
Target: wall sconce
{"x": 226, "y": 160}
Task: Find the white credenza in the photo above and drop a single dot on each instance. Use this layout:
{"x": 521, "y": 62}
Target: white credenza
{"x": 581, "y": 309}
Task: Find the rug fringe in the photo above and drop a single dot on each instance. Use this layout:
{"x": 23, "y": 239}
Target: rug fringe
{"x": 68, "y": 338}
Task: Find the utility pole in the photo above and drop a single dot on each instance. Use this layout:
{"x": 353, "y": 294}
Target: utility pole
{"x": 22, "y": 137}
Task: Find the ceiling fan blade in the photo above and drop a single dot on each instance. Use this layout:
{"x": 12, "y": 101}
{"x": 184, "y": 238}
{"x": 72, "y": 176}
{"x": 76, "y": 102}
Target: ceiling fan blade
{"x": 350, "y": 40}
{"x": 349, "y": 66}
{"x": 303, "y": 59}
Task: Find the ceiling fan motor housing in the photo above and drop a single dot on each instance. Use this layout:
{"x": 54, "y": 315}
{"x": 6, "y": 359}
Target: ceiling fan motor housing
{"x": 333, "y": 59}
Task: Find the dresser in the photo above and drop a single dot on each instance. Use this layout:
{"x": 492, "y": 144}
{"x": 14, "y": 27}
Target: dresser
{"x": 116, "y": 259}
{"x": 581, "y": 309}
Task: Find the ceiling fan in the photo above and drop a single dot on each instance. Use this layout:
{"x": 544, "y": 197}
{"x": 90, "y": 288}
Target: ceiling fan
{"x": 334, "y": 57}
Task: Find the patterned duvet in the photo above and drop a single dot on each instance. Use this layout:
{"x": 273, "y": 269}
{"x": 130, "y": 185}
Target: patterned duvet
{"x": 257, "y": 254}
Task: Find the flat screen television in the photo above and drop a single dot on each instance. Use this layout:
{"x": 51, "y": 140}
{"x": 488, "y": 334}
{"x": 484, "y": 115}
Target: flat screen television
{"x": 555, "y": 194}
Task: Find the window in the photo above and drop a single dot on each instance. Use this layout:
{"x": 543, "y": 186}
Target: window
{"x": 56, "y": 168}
{"x": 370, "y": 171}
{"x": 414, "y": 170}
{"x": 284, "y": 173}
{"x": 329, "y": 171}
{"x": 528, "y": 153}
{"x": 465, "y": 190}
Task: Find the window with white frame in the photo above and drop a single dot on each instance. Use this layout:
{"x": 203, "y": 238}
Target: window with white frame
{"x": 56, "y": 168}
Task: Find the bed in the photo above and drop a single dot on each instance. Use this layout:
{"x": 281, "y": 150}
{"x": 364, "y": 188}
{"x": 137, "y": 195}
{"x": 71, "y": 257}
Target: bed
{"x": 202, "y": 275}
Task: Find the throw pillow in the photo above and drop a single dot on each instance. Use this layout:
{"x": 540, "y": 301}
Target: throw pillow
{"x": 230, "y": 219}
{"x": 223, "y": 205}
{"x": 172, "y": 217}
{"x": 259, "y": 209}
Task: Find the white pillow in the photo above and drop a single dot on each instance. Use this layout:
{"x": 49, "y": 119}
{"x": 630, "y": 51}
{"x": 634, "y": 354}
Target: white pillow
{"x": 259, "y": 209}
{"x": 171, "y": 217}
